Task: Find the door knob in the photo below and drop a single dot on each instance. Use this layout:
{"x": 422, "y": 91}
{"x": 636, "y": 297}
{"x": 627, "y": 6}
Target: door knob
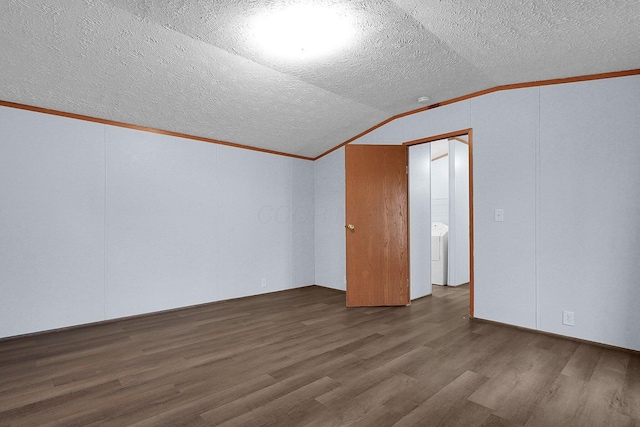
{"x": 351, "y": 227}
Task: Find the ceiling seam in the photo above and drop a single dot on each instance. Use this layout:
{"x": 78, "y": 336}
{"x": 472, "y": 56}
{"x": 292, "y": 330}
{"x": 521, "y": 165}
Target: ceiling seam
{"x": 575, "y": 79}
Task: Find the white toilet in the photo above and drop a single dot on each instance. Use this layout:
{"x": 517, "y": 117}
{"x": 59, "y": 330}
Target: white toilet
{"x": 439, "y": 253}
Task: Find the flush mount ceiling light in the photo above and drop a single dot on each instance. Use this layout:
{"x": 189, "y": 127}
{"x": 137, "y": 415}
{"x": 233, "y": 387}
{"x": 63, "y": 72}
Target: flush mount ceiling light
{"x": 303, "y": 31}
{"x": 424, "y": 99}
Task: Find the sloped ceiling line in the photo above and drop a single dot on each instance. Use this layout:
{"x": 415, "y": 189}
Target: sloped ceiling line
{"x": 575, "y": 79}
{"x": 142, "y": 128}
{"x": 214, "y": 141}
{"x": 193, "y": 67}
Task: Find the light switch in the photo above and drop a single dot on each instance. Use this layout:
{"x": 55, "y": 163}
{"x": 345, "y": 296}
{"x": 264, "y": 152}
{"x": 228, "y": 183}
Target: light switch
{"x": 498, "y": 215}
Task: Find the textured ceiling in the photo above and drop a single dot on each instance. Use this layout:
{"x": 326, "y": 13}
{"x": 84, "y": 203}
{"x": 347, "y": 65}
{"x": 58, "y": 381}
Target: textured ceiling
{"x": 193, "y": 67}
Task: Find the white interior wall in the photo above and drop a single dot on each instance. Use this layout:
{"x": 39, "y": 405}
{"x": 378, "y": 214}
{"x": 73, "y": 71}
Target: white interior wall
{"x": 99, "y": 222}
{"x": 560, "y": 160}
{"x": 589, "y": 210}
{"x": 303, "y": 244}
{"x": 255, "y": 227}
{"x": 52, "y": 228}
{"x": 505, "y": 135}
{"x": 420, "y": 166}
{"x": 458, "y": 162}
{"x": 330, "y": 240}
{"x": 440, "y": 190}
{"x": 161, "y": 219}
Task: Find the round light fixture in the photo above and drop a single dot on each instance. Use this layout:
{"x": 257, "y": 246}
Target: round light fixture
{"x": 303, "y": 31}
{"x": 424, "y": 99}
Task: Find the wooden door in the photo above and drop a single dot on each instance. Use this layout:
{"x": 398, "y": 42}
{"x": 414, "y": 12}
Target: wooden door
{"x": 377, "y": 225}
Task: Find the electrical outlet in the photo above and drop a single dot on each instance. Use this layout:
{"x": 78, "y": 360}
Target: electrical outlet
{"x": 263, "y": 284}
{"x": 568, "y": 318}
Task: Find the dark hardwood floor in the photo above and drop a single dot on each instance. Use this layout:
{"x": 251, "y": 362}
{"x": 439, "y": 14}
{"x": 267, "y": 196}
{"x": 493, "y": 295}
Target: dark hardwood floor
{"x": 301, "y": 358}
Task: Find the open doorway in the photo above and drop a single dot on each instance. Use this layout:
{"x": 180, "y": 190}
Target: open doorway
{"x": 450, "y": 211}
{"x": 441, "y": 212}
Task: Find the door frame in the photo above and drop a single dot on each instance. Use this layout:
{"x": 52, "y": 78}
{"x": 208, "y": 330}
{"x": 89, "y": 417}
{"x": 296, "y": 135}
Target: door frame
{"x": 469, "y": 133}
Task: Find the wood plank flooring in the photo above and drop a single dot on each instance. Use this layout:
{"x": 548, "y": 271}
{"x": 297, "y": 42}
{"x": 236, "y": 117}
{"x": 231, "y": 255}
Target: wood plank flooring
{"x": 301, "y": 358}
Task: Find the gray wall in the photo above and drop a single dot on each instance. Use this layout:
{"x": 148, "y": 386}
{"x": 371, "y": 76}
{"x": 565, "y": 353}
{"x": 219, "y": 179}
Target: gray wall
{"x": 99, "y": 222}
{"x": 562, "y": 161}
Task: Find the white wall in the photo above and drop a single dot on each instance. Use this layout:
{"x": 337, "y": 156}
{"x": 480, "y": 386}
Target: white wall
{"x": 303, "y": 245}
{"x": 52, "y": 228}
{"x": 99, "y": 222}
{"x": 440, "y": 190}
{"x": 459, "y": 254}
{"x": 420, "y": 167}
{"x": 561, "y": 161}
{"x": 330, "y": 249}
{"x": 505, "y": 134}
{"x": 161, "y": 219}
{"x": 589, "y": 210}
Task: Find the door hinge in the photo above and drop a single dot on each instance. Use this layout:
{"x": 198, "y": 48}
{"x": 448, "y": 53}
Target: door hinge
{"x": 407, "y": 169}
{"x": 407, "y": 283}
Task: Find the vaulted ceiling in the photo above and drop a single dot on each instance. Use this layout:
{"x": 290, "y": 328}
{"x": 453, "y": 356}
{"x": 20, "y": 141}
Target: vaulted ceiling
{"x": 195, "y": 67}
